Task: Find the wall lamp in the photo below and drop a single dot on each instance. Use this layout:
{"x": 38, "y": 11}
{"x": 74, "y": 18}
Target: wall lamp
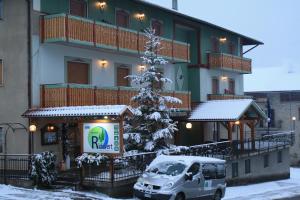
{"x": 224, "y": 78}
{"x": 141, "y": 68}
{"x": 222, "y": 39}
{"x": 237, "y": 122}
{"x": 103, "y": 63}
{"x": 140, "y": 16}
{"x": 101, "y": 5}
{"x": 189, "y": 125}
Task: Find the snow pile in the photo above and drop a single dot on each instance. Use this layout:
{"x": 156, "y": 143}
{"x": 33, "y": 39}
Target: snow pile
{"x": 151, "y": 126}
{"x": 86, "y": 158}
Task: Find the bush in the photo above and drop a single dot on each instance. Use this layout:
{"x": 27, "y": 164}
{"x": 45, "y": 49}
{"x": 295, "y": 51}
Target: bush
{"x": 43, "y": 168}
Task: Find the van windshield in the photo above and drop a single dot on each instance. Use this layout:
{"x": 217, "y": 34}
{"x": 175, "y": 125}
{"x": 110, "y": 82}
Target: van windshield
{"x": 167, "y": 168}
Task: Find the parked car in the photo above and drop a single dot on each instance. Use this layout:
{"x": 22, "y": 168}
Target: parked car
{"x": 182, "y": 177}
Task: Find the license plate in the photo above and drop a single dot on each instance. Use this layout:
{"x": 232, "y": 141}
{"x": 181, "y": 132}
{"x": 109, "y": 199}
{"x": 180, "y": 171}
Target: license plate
{"x": 148, "y": 195}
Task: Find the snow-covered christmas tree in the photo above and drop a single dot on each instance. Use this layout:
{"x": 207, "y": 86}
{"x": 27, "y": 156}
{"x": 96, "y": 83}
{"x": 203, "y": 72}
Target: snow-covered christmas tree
{"x": 151, "y": 127}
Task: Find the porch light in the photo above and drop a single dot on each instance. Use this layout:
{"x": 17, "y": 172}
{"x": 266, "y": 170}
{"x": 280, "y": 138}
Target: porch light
{"x": 101, "y": 4}
{"x": 224, "y": 78}
{"x": 103, "y": 63}
{"x": 105, "y": 117}
{"x": 140, "y": 16}
{"x": 188, "y": 125}
{"x": 222, "y": 39}
{"x": 50, "y": 128}
{"x": 294, "y": 118}
{"x": 32, "y": 128}
{"x": 237, "y": 122}
{"x": 141, "y": 68}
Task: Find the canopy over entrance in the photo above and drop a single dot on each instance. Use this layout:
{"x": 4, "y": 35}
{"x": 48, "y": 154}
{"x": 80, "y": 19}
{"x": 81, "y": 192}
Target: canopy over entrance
{"x": 229, "y": 113}
{"x": 78, "y": 111}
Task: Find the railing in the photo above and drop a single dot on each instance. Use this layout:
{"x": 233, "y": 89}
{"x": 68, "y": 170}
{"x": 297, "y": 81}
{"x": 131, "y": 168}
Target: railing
{"x": 14, "y": 167}
{"x": 229, "y": 62}
{"x": 82, "y": 31}
{"x": 226, "y": 96}
{"x": 58, "y": 95}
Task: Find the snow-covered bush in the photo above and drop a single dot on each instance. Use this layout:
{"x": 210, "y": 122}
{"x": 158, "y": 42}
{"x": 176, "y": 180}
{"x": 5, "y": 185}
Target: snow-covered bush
{"x": 86, "y": 158}
{"x": 151, "y": 126}
{"x": 43, "y": 168}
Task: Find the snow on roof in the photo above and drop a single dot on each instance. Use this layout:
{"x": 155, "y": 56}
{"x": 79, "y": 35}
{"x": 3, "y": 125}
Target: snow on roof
{"x": 223, "y": 110}
{"x": 271, "y": 79}
{"x": 77, "y": 111}
{"x": 188, "y": 160}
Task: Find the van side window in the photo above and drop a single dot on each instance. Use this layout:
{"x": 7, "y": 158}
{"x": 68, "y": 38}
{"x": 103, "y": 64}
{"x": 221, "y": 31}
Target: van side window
{"x": 194, "y": 169}
{"x": 209, "y": 171}
{"x": 221, "y": 172}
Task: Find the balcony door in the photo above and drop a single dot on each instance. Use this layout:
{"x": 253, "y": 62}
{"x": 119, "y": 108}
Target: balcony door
{"x": 215, "y": 86}
{"x": 122, "y": 18}
{"x": 78, "y": 72}
{"x": 78, "y": 7}
{"x": 122, "y": 72}
{"x": 231, "y": 86}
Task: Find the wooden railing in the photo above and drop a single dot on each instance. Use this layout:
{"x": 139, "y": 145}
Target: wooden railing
{"x": 229, "y": 62}
{"x": 58, "y": 95}
{"x": 226, "y": 96}
{"x": 82, "y": 31}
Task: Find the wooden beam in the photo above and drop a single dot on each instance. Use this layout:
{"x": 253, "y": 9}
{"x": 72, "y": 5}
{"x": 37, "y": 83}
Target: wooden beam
{"x": 252, "y": 127}
{"x": 229, "y": 125}
{"x": 241, "y": 126}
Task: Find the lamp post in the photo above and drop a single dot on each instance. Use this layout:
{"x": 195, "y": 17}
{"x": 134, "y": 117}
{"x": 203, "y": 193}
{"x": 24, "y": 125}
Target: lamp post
{"x": 32, "y": 130}
{"x": 294, "y": 123}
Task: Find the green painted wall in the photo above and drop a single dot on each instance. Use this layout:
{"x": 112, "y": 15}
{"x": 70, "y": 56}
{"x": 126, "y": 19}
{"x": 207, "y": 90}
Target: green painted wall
{"x": 55, "y": 6}
{"x": 194, "y": 83}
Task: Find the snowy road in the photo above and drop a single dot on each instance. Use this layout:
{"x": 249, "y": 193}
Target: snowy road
{"x": 282, "y": 189}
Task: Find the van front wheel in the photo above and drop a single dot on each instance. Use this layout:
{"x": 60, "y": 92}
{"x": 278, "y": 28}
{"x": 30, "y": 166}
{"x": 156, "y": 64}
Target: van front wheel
{"x": 180, "y": 196}
{"x": 218, "y": 195}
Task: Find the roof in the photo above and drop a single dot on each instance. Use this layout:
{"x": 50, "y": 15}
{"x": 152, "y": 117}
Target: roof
{"x": 77, "y": 111}
{"x": 188, "y": 160}
{"x": 224, "y": 110}
{"x": 246, "y": 40}
{"x": 267, "y": 80}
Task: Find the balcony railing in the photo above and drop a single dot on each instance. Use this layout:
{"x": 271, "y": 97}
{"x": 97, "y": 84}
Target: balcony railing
{"x": 229, "y": 62}
{"x": 226, "y": 96}
{"x": 59, "y": 95}
{"x": 82, "y": 31}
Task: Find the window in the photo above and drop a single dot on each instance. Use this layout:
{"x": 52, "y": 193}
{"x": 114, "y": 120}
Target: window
{"x": 1, "y": 72}
{"x": 235, "y": 169}
{"x": 247, "y": 166}
{"x": 215, "y": 44}
{"x": 122, "y": 18}
{"x": 157, "y": 26}
{"x": 1, "y": 9}
{"x": 231, "y": 86}
{"x": 78, "y": 8}
{"x": 279, "y": 157}
{"x": 215, "y": 86}
{"x": 78, "y": 72}
{"x": 266, "y": 160}
{"x": 194, "y": 169}
{"x": 122, "y": 72}
{"x": 1, "y": 139}
{"x": 209, "y": 171}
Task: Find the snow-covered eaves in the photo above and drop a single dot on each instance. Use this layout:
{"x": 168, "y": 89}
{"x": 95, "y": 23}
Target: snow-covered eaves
{"x": 224, "y": 110}
{"x": 77, "y": 111}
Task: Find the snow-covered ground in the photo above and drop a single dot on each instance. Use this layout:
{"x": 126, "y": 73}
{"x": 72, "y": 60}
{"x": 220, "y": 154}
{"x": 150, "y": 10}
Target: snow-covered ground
{"x": 264, "y": 191}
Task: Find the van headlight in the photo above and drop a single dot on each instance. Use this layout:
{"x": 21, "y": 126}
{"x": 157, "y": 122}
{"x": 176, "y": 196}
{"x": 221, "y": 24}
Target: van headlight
{"x": 168, "y": 185}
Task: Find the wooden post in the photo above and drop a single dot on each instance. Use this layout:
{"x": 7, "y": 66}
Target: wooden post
{"x": 111, "y": 171}
{"x": 242, "y": 135}
{"x": 68, "y": 95}
{"x": 67, "y": 27}
{"x": 229, "y": 131}
{"x": 252, "y": 135}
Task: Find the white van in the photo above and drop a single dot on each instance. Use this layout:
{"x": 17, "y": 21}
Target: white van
{"x": 182, "y": 177}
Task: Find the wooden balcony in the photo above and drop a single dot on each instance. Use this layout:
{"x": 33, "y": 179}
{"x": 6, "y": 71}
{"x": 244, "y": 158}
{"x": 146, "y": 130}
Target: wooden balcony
{"x": 81, "y": 31}
{"x": 229, "y": 62}
{"x": 59, "y": 95}
{"x": 226, "y": 96}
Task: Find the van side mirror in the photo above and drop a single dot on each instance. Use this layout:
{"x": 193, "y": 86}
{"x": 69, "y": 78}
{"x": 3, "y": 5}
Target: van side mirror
{"x": 188, "y": 177}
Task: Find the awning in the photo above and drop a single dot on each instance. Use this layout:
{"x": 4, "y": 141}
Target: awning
{"x": 78, "y": 111}
{"x": 226, "y": 110}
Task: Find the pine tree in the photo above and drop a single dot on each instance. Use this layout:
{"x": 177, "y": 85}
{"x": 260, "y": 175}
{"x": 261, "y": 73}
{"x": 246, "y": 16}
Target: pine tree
{"x": 151, "y": 126}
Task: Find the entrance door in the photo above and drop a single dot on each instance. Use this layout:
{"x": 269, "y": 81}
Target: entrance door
{"x": 78, "y": 73}
{"x": 78, "y": 8}
{"x": 122, "y": 72}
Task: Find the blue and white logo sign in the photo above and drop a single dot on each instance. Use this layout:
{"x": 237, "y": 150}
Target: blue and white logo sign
{"x": 101, "y": 138}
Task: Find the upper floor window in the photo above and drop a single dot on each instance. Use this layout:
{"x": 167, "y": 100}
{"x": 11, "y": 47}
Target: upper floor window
{"x": 215, "y": 86}
{"x": 215, "y": 43}
{"x": 78, "y": 72}
{"x": 78, "y": 8}
{"x": 158, "y": 27}
{"x": 122, "y": 18}
{"x": 231, "y": 88}
{"x": 122, "y": 72}
{"x": 1, "y": 72}
{"x": 1, "y": 9}
{"x": 231, "y": 48}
